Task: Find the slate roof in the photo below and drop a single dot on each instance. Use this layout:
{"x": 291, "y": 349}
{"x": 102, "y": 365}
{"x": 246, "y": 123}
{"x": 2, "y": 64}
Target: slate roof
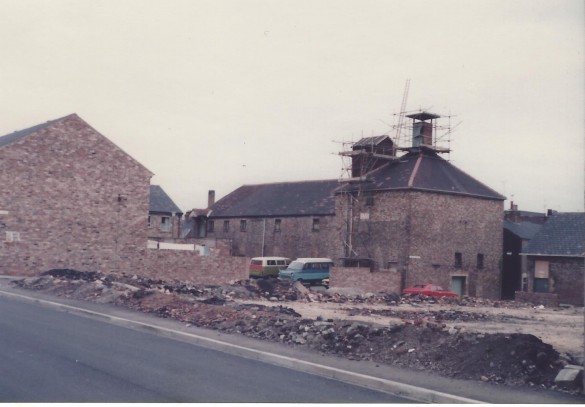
{"x": 161, "y": 202}
{"x": 563, "y": 234}
{"x": 304, "y": 198}
{"x": 17, "y": 135}
{"x": 524, "y": 230}
{"x": 424, "y": 170}
{"x": 369, "y": 141}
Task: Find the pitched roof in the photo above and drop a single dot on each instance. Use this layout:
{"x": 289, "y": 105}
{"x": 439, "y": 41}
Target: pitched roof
{"x": 422, "y": 169}
{"x": 524, "y": 230}
{"x": 304, "y": 198}
{"x": 563, "y": 234}
{"x": 161, "y": 202}
{"x": 17, "y": 135}
{"x": 369, "y": 141}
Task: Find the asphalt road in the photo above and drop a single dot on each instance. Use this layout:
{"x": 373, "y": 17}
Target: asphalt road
{"x": 49, "y": 355}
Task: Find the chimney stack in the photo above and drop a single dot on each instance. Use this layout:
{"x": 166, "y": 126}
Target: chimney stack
{"x": 210, "y": 198}
{"x": 422, "y": 128}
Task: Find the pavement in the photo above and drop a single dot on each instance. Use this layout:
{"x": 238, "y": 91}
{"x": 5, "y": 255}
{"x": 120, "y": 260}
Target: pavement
{"x": 418, "y": 386}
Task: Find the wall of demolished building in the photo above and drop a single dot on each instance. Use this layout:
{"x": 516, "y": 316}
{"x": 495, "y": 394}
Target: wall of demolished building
{"x": 74, "y": 199}
{"x": 420, "y": 233}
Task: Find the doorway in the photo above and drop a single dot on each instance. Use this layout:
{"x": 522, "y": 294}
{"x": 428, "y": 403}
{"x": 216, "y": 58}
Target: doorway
{"x": 458, "y": 285}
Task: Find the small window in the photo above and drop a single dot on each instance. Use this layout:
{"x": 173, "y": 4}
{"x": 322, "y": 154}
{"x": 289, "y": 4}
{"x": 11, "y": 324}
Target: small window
{"x": 480, "y": 261}
{"x": 277, "y": 223}
{"x": 149, "y": 222}
{"x": 370, "y": 200}
{"x": 226, "y": 225}
{"x": 243, "y": 225}
{"x": 165, "y": 224}
{"x": 458, "y": 260}
{"x": 272, "y": 262}
{"x": 210, "y": 226}
{"x": 316, "y": 225}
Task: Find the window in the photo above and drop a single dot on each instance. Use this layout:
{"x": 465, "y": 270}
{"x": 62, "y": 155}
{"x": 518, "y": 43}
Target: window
{"x": 149, "y": 222}
{"x": 370, "y": 200}
{"x": 541, "y": 276}
{"x": 315, "y": 225}
{"x": 480, "y": 261}
{"x": 271, "y": 262}
{"x": 226, "y": 226}
{"x": 165, "y": 224}
{"x": 277, "y": 223}
{"x": 210, "y": 226}
{"x": 458, "y": 260}
{"x": 243, "y": 225}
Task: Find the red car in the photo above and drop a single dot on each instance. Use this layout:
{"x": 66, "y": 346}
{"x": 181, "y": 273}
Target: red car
{"x": 430, "y": 290}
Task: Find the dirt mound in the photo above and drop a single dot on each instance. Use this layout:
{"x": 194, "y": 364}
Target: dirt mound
{"x": 422, "y": 341}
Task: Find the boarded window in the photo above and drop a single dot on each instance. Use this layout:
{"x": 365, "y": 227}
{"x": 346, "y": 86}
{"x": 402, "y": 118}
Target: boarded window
{"x": 541, "y": 269}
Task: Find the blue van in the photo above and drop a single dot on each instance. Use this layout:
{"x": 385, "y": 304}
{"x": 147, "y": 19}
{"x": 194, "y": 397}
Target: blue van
{"x": 309, "y": 270}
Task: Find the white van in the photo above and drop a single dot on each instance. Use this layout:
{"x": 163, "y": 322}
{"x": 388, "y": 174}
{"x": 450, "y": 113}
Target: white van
{"x": 262, "y": 267}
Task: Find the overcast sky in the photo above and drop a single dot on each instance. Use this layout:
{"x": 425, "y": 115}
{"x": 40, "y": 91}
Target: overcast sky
{"x": 217, "y": 94}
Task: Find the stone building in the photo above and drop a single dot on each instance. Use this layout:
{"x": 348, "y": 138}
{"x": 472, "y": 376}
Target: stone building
{"x": 556, "y": 259}
{"x": 70, "y": 199}
{"x": 419, "y": 215}
{"x": 291, "y": 219}
{"x": 164, "y": 216}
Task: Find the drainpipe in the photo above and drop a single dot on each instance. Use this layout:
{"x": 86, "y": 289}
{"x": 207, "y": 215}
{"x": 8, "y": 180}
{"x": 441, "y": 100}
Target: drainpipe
{"x": 263, "y": 236}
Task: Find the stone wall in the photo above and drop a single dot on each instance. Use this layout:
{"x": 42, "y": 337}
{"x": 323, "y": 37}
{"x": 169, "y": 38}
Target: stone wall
{"x": 155, "y": 231}
{"x": 565, "y": 277}
{"x": 294, "y": 238}
{"x": 388, "y": 281}
{"x": 74, "y": 198}
{"x": 546, "y": 299}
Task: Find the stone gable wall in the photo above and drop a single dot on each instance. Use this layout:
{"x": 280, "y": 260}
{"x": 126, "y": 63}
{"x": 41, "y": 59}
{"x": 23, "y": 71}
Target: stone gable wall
{"x": 419, "y": 233}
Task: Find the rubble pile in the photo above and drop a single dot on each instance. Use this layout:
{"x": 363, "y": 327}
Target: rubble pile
{"x": 423, "y": 340}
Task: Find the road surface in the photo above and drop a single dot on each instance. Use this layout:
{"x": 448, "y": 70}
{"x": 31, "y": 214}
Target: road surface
{"x": 48, "y": 355}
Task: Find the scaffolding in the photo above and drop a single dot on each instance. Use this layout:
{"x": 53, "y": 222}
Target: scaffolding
{"x": 422, "y": 131}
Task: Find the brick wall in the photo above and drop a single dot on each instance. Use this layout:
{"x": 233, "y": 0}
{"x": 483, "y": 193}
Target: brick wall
{"x": 189, "y": 266}
{"x": 76, "y": 199}
{"x": 362, "y": 278}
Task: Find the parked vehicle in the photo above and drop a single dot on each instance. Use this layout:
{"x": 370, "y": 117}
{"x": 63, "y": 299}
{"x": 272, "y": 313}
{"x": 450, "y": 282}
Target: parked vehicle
{"x": 430, "y": 290}
{"x": 263, "y": 267}
{"x": 307, "y": 270}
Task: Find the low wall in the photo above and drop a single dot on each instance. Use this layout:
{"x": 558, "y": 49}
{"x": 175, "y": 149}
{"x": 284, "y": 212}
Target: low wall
{"x": 189, "y": 266}
{"x": 366, "y": 280}
{"x": 546, "y": 299}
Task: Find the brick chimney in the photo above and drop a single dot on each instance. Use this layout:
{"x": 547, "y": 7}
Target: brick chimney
{"x": 210, "y": 198}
